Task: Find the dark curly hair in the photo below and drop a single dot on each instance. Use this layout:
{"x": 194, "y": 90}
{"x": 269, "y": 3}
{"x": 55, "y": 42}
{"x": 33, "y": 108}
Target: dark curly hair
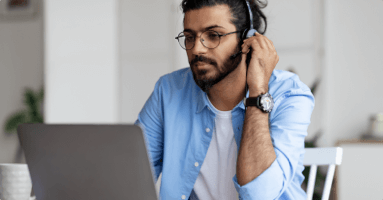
{"x": 238, "y": 9}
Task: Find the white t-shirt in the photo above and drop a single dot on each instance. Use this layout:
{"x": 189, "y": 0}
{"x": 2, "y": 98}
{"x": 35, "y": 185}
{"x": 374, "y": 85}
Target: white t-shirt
{"x": 214, "y": 180}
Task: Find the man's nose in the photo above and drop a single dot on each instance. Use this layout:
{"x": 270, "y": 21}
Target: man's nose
{"x": 198, "y": 46}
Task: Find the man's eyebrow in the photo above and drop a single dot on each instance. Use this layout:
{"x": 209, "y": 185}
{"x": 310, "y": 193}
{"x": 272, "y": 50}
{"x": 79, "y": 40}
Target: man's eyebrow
{"x": 207, "y": 28}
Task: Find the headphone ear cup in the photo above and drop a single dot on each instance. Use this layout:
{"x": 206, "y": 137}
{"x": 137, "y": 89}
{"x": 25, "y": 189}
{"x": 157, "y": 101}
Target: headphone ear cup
{"x": 250, "y": 33}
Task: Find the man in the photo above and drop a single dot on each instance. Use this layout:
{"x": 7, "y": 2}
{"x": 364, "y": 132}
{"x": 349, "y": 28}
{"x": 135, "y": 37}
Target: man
{"x": 199, "y": 133}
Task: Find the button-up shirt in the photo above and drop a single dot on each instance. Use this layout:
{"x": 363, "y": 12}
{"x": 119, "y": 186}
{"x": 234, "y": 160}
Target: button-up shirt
{"x": 177, "y": 127}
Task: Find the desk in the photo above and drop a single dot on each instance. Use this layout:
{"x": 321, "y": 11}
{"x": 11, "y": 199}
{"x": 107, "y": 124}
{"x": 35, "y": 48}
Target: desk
{"x": 360, "y": 176}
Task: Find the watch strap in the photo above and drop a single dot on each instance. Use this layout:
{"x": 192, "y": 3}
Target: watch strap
{"x": 252, "y": 101}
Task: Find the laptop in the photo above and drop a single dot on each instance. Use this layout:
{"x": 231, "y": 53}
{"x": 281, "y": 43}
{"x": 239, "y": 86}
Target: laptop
{"x": 87, "y": 161}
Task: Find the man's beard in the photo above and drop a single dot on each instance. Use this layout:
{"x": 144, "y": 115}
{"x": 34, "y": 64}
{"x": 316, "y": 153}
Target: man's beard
{"x": 229, "y": 65}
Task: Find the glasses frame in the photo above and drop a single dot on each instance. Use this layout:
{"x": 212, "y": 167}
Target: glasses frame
{"x": 200, "y": 38}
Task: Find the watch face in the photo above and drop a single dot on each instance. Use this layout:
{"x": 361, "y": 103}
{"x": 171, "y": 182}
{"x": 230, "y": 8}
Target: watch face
{"x": 267, "y": 103}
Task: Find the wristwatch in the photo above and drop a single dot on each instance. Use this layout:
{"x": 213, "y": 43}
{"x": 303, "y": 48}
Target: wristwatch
{"x": 264, "y": 102}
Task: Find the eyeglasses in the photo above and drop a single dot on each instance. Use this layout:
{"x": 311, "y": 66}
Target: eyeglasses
{"x": 209, "y": 39}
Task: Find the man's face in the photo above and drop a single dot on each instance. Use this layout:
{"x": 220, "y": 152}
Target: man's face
{"x": 216, "y": 63}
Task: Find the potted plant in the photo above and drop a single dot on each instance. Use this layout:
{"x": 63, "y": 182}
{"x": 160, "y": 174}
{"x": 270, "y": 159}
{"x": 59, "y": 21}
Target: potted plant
{"x": 31, "y": 114}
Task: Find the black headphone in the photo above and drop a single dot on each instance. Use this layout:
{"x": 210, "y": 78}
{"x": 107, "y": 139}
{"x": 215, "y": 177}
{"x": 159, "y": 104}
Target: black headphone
{"x": 247, "y": 33}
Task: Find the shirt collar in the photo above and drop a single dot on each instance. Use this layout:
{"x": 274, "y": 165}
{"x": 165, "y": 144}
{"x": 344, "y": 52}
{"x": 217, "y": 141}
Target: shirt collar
{"x": 202, "y": 101}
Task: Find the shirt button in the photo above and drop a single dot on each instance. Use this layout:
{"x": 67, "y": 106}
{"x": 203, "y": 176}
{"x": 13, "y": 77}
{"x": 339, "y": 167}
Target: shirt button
{"x": 196, "y": 164}
{"x": 183, "y": 197}
{"x": 207, "y": 129}
{"x": 208, "y": 108}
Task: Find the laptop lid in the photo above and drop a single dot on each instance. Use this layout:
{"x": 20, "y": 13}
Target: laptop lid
{"x": 87, "y": 161}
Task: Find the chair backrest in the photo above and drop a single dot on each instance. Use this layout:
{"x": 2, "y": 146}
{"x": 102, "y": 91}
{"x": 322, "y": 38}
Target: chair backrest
{"x": 322, "y": 156}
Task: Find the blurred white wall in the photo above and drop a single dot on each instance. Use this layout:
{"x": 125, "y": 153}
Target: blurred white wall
{"x": 81, "y": 61}
{"x": 21, "y": 65}
{"x": 145, "y": 50}
{"x": 180, "y": 59}
{"x": 353, "y": 68}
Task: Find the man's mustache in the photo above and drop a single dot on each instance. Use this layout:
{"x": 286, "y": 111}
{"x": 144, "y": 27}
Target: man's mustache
{"x": 202, "y": 59}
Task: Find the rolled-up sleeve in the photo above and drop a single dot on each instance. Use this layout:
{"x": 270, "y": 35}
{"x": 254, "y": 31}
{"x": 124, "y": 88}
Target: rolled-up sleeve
{"x": 151, "y": 122}
{"x": 288, "y": 129}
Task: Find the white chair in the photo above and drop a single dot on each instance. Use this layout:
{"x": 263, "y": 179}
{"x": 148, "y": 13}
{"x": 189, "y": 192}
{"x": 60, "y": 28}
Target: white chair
{"x": 322, "y": 156}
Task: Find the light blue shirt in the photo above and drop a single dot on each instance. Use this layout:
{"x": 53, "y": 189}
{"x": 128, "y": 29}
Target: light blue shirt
{"x": 178, "y": 123}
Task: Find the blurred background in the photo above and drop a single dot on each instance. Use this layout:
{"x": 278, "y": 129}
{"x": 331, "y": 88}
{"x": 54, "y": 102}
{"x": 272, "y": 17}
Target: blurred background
{"x": 98, "y": 62}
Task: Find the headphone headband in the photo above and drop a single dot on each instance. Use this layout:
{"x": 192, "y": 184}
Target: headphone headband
{"x": 250, "y": 14}
{"x": 251, "y": 31}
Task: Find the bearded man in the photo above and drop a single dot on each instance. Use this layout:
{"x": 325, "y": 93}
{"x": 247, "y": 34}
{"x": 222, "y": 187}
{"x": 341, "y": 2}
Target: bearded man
{"x": 209, "y": 136}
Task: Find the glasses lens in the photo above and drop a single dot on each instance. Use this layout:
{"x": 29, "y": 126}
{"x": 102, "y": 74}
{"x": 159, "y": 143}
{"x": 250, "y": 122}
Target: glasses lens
{"x": 186, "y": 40}
{"x": 210, "y": 39}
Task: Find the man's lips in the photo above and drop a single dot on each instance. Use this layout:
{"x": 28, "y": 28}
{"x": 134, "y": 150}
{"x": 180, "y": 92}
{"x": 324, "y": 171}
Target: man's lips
{"x": 201, "y": 64}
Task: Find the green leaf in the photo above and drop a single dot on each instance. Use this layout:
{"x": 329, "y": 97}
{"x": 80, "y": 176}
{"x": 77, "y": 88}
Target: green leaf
{"x": 36, "y": 118}
{"x": 14, "y": 120}
{"x": 32, "y": 114}
{"x": 41, "y": 94}
{"x": 29, "y": 98}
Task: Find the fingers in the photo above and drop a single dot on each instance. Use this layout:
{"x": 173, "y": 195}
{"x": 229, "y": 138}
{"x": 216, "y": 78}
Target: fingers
{"x": 257, "y": 43}
{"x": 269, "y": 43}
{"x": 245, "y": 47}
{"x": 261, "y": 40}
